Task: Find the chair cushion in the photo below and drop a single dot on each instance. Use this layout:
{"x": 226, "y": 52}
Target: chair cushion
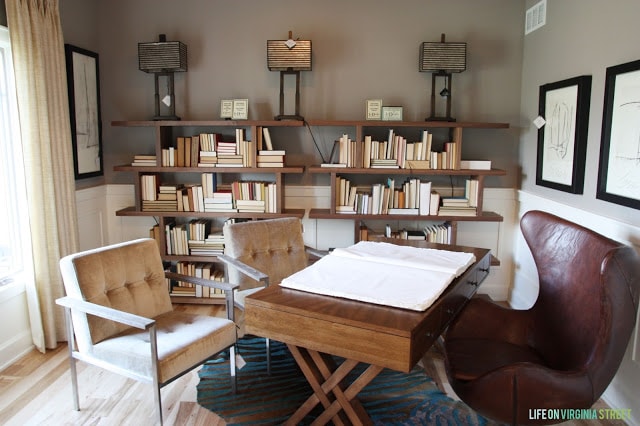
{"x": 470, "y": 358}
{"x": 184, "y": 340}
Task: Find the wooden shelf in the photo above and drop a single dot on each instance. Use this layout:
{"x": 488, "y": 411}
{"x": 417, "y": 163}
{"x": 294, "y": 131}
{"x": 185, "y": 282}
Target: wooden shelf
{"x": 209, "y": 123}
{"x": 161, "y": 169}
{"x": 391, "y": 171}
{"x": 132, "y": 211}
{"x": 326, "y": 214}
{"x": 427, "y": 124}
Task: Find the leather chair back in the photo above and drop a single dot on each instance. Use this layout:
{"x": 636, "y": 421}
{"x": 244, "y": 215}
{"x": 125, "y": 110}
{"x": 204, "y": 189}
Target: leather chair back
{"x": 588, "y": 298}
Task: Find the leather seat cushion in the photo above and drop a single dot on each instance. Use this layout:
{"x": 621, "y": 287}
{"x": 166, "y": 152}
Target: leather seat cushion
{"x": 469, "y": 358}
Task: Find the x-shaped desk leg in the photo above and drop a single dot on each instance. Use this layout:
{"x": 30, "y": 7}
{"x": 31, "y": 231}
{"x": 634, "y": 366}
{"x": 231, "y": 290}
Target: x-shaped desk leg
{"x": 340, "y": 405}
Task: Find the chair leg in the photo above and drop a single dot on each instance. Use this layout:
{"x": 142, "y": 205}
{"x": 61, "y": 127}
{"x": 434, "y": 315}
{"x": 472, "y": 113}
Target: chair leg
{"x": 232, "y": 366}
{"x": 74, "y": 381}
{"x": 268, "y": 349}
{"x": 72, "y": 361}
{"x": 157, "y": 397}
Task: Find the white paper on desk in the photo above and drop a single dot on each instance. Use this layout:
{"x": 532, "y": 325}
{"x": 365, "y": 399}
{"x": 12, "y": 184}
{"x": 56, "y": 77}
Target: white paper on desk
{"x": 358, "y": 273}
{"x": 423, "y": 258}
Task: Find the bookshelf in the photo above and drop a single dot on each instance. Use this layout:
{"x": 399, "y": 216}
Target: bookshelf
{"x": 165, "y": 135}
{"x": 358, "y": 170}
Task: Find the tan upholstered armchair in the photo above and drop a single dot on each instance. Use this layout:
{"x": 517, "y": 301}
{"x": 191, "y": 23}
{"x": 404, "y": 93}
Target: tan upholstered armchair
{"x": 120, "y": 317}
{"x": 260, "y": 253}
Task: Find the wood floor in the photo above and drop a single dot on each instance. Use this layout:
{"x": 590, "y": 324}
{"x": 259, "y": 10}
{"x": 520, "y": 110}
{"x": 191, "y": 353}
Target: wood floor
{"x": 36, "y": 390}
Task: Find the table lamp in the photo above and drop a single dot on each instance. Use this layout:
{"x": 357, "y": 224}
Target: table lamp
{"x": 163, "y": 58}
{"x": 289, "y": 57}
{"x": 442, "y": 59}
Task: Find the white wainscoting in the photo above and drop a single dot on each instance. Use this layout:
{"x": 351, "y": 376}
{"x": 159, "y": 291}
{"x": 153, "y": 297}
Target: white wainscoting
{"x": 15, "y": 341}
{"x": 625, "y": 387}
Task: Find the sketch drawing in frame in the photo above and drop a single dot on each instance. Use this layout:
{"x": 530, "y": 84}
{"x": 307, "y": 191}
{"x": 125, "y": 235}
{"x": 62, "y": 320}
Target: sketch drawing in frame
{"x": 619, "y": 169}
{"x": 83, "y": 84}
{"x": 562, "y": 140}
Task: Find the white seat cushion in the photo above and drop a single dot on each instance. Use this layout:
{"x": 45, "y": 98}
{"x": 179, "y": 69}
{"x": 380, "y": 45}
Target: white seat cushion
{"x": 184, "y": 340}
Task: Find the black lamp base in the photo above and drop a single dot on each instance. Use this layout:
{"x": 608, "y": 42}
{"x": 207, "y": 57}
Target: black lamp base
{"x": 166, "y": 118}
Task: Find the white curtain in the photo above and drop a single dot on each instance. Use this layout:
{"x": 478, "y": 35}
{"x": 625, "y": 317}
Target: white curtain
{"x": 40, "y": 72}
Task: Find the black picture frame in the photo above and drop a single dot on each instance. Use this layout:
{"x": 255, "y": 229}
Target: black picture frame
{"x": 562, "y": 140}
{"x": 619, "y": 167}
{"x": 83, "y": 84}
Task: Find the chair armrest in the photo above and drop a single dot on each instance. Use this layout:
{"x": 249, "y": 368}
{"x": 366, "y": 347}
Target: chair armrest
{"x": 222, "y": 285}
{"x": 132, "y": 320}
{"x": 244, "y": 268}
{"x": 315, "y": 252}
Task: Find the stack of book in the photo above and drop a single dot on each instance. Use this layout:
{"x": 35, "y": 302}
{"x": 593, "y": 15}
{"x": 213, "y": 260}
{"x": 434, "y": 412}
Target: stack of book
{"x": 456, "y": 206}
{"x": 270, "y": 158}
{"x": 212, "y": 245}
{"x": 228, "y": 154}
{"x": 208, "y": 159}
{"x": 144, "y": 160}
{"x": 220, "y": 201}
{"x": 166, "y": 200}
{"x": 208, "y": 155}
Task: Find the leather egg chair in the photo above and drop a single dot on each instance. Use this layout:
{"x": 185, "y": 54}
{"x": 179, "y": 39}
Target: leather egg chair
{"x": 562, "y": 352}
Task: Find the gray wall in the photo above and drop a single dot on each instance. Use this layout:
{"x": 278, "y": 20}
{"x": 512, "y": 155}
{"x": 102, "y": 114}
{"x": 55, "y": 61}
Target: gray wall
{"x": 582, "y": 37}
{"x": 3, "y": 13}
{"x": 361, "y": 50}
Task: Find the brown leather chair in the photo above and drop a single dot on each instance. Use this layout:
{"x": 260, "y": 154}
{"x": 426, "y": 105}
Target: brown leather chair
{"x": 563, "y": 351}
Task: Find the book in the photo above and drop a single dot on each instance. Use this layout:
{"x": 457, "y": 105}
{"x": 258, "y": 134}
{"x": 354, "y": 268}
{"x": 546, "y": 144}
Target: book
{"x": 475, "y": 164}
{"x": 272, "y": 152}
{"x": 326, "y": 165}
{"x": 424, "y": 198}
{"x": 418, "y": 164}
{"x": 403, "y": 211}
{"x": 270, "y": 158}
{"x": 267, "y": 139}
{"x": 434, "y": 204}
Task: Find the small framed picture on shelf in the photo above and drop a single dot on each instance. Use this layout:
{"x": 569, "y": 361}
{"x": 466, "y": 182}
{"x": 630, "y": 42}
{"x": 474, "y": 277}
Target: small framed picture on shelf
{"x": 240, "y": 109}
{"x": 392, "y": 113}
{"x": 226, "y": 108}
{"x": 374, "y": 109}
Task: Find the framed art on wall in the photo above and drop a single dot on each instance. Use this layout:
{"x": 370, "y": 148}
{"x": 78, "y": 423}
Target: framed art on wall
{"x": 619, "y": 169}
{"x": 562, "y": 140}
{"x": 84, "y": 111}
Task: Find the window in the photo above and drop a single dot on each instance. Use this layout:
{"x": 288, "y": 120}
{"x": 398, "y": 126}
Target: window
{"x": 15, "y": 243}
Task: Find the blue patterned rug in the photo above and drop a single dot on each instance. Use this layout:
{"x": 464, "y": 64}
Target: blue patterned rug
{"x": 392, "y": 398}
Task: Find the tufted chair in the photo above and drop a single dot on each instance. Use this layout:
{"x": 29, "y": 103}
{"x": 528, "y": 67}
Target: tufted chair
{"x": 120, "y": 317}
{"x": 263, "y": 252}
{"x": 564, "y": 350}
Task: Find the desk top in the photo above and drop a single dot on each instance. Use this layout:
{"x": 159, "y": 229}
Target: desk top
{"x": 381, "y": 335}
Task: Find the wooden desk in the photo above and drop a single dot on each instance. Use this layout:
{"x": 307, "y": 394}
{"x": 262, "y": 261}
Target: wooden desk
{"x": 314, "y": 326}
